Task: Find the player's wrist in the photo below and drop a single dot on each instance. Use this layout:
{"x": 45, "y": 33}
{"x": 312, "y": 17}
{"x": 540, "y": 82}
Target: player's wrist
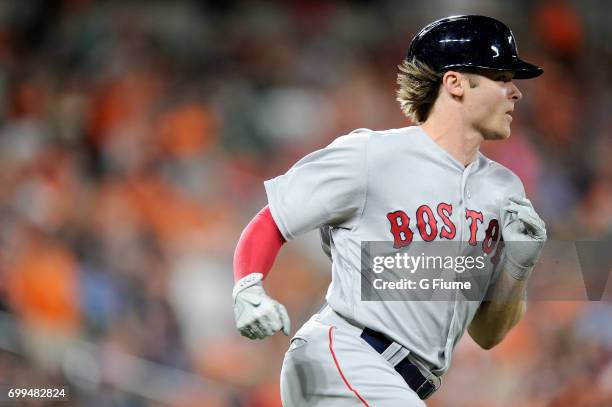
{"x": 524, "y": 253}
{"x": 250, "y": 280}
{"x": 517, "y": 271}
{"x": 520, "y": 267}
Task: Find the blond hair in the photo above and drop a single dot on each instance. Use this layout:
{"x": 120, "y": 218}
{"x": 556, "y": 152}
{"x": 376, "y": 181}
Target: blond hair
{"x": 418, "y": 89}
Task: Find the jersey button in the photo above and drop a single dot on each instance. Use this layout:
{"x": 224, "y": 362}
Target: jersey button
{"x": 469, "y": 195}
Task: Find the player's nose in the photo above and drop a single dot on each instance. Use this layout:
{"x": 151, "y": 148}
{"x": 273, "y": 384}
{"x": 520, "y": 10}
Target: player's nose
{"x": 513, "y": 92}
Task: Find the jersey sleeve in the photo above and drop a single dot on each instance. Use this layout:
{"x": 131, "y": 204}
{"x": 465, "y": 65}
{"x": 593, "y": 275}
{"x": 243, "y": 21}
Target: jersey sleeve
{"x": 326, "y": 187}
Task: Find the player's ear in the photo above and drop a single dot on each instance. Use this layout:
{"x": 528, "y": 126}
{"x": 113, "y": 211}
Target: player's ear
{"x": 453, "y": 83}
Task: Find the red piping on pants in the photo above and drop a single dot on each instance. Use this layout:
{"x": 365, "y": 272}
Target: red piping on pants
{"x": 331, "y": 349}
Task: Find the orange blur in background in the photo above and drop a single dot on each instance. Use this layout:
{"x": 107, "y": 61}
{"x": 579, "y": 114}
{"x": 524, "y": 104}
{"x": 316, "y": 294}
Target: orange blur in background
{"x": 134, "y": 141}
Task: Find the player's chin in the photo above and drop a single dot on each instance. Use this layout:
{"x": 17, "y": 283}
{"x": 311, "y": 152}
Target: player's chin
{"x": 505, "y": 134}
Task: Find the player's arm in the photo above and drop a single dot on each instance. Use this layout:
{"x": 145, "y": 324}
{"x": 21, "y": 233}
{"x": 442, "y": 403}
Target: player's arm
{"x": 326, "y": 187}
{"x": 495, "y": 318}
{"x": 257, "y": 315}
{"x": 524, "y": 236}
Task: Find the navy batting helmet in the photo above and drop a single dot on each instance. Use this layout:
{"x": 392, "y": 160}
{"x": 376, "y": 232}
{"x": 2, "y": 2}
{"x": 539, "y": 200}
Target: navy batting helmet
{"x": 472, "y": 42}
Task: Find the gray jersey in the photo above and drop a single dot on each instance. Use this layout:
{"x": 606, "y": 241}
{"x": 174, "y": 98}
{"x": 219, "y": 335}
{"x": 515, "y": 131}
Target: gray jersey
{"x": 357, "y": 187}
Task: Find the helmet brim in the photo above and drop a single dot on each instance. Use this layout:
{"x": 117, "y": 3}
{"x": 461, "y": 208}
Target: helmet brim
{"x": 525, "y": 70}
{"x": 520, "y": 68}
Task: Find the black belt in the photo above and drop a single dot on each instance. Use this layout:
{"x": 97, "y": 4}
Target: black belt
{"x": 422, "y": 386}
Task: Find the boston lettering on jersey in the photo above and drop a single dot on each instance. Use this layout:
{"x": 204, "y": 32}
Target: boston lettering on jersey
{"x": 427, "y": 225}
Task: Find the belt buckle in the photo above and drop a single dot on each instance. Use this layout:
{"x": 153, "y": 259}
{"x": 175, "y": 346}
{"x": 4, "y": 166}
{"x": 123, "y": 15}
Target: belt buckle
{"x": 431, "y": 380}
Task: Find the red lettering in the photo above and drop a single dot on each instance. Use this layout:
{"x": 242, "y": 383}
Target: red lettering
{"x": 422, "y": 223}
{"x": 400, "y": 228}
{"x": 445, "y": 211}
{"x": 475, "y": 217}
{"x": 498, "y": 253}
{"x": 491, "y": 236}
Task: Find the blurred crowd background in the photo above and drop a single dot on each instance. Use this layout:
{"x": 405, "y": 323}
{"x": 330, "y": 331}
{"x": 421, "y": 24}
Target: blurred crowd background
{"x": 134, "y": 140}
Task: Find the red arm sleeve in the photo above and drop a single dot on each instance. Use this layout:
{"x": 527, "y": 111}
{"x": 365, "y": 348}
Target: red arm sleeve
{"x": 258, "y": 246}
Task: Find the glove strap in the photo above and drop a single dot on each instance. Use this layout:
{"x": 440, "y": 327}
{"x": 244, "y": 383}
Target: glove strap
{"x": 246, "y": 282}
{"x": 516, "y": 271}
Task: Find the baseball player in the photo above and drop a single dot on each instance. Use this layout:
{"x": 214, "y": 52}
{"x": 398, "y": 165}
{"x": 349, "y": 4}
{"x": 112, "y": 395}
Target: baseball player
{"x": 426, "y": 183}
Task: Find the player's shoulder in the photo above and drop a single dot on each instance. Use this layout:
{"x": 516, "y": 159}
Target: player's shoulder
{"x": 388, "y": 133}
{"x": 363, "y": 135}
{"x": 502, "y": 175}
{"x": 498, "y": 170}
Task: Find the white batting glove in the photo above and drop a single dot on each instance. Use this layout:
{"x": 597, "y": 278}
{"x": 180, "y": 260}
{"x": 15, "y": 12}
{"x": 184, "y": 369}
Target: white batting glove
{"x": 524, "y": 235}
{"x": 256, "y": 314}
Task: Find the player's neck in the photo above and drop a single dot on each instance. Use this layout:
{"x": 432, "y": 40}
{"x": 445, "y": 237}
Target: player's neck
{"x": 461, "y": 143}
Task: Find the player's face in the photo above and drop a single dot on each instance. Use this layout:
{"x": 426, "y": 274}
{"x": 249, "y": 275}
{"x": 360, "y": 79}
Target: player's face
{"x": 489, "y": 103}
